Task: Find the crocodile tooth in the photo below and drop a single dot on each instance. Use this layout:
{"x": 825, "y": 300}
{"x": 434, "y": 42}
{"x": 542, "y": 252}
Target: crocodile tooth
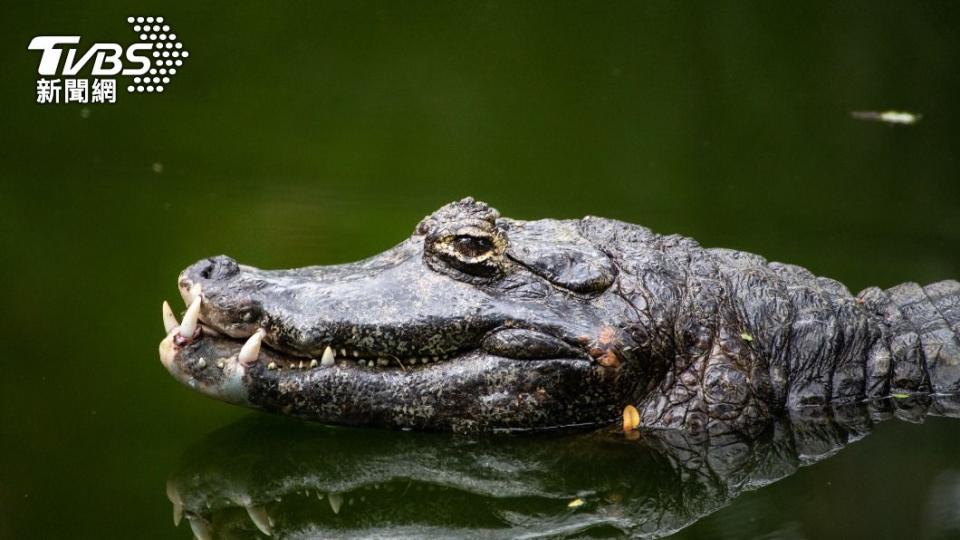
{"x": 173, "y": 493}
{"x": 356, "y": 354}
{"x": 195, "y": 291}
{"x": 300, "y": 365}
{"x": 369, "y": 363}
{"x": 272, "y": 365}
{"x": 343, "y": 351}
{"x": 189, "y": 325}
{"x": 328, "y": 357}
{"x": 383, "y": 362}
{"x": 169, "y": 319}
{"x": 260, "y": 518}
{"x": 435, "y": 358}
{"x": 313, "y": 363}
{"x": 201, "y": 363}
{"x": 335, "y": 501}
{"x": 177, "y": 513}
{"x": 251, "y": 349}
{"x": 208, "y": 331}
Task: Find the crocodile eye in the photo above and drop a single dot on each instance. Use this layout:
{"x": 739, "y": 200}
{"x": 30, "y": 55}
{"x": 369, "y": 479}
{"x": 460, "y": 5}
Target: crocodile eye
{"x": 469, "y": 250}
{"x": 472, "y": 247}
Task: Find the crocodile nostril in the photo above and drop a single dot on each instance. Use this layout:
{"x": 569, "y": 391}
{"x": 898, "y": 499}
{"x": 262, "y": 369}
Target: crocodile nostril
{"x": 218, "y": 268}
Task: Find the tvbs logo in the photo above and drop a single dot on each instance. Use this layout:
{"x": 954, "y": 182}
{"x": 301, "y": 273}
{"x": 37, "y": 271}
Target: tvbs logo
{"x": 149, "y": 64}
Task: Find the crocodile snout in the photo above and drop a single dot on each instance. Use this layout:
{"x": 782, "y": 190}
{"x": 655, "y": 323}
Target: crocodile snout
{"x": 213, "y": 269}
{"x": 204, "y": 272}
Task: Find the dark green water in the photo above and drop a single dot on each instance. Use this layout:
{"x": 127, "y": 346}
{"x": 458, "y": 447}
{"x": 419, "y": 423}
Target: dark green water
{"x": 313, "y": 133}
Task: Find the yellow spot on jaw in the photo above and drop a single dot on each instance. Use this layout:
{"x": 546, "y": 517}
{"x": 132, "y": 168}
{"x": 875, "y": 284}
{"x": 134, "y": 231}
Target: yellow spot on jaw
{"x": 631, "y": 418}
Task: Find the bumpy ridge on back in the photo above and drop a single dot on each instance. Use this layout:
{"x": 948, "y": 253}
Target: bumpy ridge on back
{"x": 925, "y": 308}
{"x": 921, "y": 334}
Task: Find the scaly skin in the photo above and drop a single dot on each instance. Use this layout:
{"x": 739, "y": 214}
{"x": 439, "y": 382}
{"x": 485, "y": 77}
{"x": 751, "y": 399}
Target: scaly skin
{"x": 542, "y": 324}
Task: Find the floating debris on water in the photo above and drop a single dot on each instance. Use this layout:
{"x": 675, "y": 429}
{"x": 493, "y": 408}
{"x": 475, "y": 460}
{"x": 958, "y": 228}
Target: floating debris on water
{"x": 902, "y": 118}
{"x": 900, "y": 395}
{"x": 575, "y": 503}
{"x": 746, "y": 336}
{"x": 631, "y": 418}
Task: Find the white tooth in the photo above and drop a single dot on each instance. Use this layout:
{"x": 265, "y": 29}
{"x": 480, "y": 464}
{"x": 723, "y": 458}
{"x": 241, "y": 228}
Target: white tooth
{"x": 260, "y": 518}
{"x": 200, "y": 528}
{"x": 343, "y": 352}
{"x": 313, "y": 363}
{"x": 436, "y": 358}
{"x": 177, "y": 513}
{"x": 173, "y": 494}
{"x": 201, "y": 363}
{"x": 169, "y": 319}
{"x": 370, "y": 363}
{"x": 189, "y": 325}
{"x": 335, "y": 501}
{"x": 328, "y": 357}
{"x": 208, "y": 331}
{"x": 195, "y": 291}
{"x": 383, "y": 362}
{"x": 300, "y": 365}
{"x": 220, "y": 364}
{"x": 356, "y": 354}
{"x": 251, "y": 349}
{"x": 422, "y": 360}
{"x": 271, "y": 365}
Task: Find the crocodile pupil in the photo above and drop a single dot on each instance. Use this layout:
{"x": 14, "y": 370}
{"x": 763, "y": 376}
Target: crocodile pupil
{"x": 472, "y": 246}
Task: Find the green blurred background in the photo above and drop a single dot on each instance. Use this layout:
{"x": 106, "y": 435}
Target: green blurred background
{"x": 320, "y": 132}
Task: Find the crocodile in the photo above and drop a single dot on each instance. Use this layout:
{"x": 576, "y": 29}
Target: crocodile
{"x": 479, "y": 322}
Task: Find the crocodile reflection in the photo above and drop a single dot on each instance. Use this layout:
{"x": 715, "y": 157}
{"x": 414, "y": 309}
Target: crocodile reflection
{"x": 286, "y": 479}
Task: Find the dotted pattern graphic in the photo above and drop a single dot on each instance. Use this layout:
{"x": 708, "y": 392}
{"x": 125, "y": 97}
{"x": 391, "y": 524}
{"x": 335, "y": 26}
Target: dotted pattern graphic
{"x": 166, "y": 57}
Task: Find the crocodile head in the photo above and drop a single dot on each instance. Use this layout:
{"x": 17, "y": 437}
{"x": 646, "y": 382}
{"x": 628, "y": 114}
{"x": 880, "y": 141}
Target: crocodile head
{"x": 474, "y": 322}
